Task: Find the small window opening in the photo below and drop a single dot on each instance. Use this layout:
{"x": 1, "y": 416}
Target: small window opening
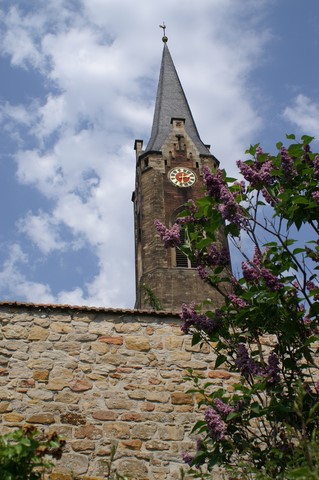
{"x": 182, "y": 260}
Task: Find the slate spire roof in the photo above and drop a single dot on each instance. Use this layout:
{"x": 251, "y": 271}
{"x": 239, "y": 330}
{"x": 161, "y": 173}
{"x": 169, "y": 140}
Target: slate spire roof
{"x": 171, "y": 103}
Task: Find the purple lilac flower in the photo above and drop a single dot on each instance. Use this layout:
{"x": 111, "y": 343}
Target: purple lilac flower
{"x": 315, "y": 196}
{"x": 217, "y": 258}
{"x": 310, "y": 286}
{"x": 239, "y": 302}
{"x": 245, "y": 364}
{"x": 216, "y": 426}
{"x": 170, "y": 236}
{"x": 213, "y": 182}
{"x": 272, "y": 282}
{"x": 251, "y": 274}
{"x": 287, "y": 164}
{"x": 202, "y": 272}
{"x": 222, "y": 408}
{"x": 272, "y": 370}
{"x": 230, "y": 210}
{"x": 251, "y": 270}
{"x": 192, "y": 318}
{"x": 306, "y": 320}
{"x": 258, "y": 173}
{"x": 242, "y": 188}
{"x": 187, "y": 458}
{"x": 316, "y": 166}
{"x": 317, "y": 387}
{"x": 259, "y": 151}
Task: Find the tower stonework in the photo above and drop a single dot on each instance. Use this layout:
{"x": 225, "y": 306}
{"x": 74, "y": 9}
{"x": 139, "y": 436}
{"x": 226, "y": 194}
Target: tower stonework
{"x": 168, "y": 174}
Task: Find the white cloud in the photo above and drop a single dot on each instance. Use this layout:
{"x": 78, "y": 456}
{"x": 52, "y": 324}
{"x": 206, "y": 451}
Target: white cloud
{"x": 304, "y": 113}
{"x": 104, "y": 65}
{"x": 42, "y": 231}
{"x": 14, "y": 282}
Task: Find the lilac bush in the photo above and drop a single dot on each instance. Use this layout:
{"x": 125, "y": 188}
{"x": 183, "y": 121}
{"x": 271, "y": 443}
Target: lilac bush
{"x": 265, "y": 332}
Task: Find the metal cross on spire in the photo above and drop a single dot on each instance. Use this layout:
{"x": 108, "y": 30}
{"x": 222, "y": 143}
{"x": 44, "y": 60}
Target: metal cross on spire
{"x": 164, "y": 38}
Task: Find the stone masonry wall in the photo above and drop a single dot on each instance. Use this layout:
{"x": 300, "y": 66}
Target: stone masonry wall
{"x": 98, "y": 377}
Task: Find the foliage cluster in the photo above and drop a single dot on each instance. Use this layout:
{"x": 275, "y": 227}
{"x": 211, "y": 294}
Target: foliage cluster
{"x": 266, "y": 329}
{"x": 25, "y": 453}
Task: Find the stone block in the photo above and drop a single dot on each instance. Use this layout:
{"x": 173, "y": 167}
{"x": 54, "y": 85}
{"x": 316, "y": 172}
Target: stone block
{"x": 42, "y": 418}
{"x": 13, "y": 417}
{"x": 5, "y": 407}
{"x": 219, "y": 374}
{"x": 131, "y": 444}
{"x": 40, "y": 394}
{"x": 128, "y": 465}
{"x": 170, "y": 432}
{"x": 80, "y": 385}
{"x": 75, "y": 463}
{"x": 179, "y": 398}
{"x": 88, "y": 431}
{"x": 173, "y": 343}
{"x": 158, "y": 396}
{"x": 111, "y": 340}
{"x": 61, "y": 327}
{"x": 116, "y": 430}
{"x": 41, "y": 375}
{"x": 73, "y": 418}
{"x": 143, "y": 431}
{"x": 38, "y": 333}
{"x": 157, "y": 445}
{"x": 82, "y": 445}
{"x": 136, "y": 342}
{"x": 104, "y": 415}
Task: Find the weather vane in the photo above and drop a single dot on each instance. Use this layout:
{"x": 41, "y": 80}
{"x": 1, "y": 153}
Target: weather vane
{"x": 164, "y": 29}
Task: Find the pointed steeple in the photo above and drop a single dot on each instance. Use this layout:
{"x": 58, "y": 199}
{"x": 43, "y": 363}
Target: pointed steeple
{"x": 171, "y": 103}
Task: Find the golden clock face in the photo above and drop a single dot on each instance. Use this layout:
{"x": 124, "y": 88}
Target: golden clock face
{"x": 182, "y": 177}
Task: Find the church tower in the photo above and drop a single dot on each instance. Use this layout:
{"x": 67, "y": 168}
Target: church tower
{"x": 168, "y": 174}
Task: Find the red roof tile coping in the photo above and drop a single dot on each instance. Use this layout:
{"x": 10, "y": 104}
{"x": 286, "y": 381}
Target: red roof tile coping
{"x": 84, "y": 308}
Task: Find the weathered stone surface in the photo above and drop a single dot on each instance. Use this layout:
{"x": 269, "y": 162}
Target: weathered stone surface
{"x": 111, "y": 340}
{"x": 41, "y": 375}
{"x": 157, "y": 445}
{"x": 131, "y": 444}
{"x": 43, "y": 418}
{"x": 129, "y": 465}
{"x": 76, "y": 464}
{"x": 219, "y": 374}
{"x": 13, "y": 417}
{"x": 40, "y": 394}
{"x": 180, "y": 398}
{"x": 5, "y": 407}
{"x": 88, "y": 431}
{"x": 135, "y": 342}
{"x": 82, "y": 445}
{"x": 73, "y": 418}
{"x": 16, "y": 331}
{"x": 116, "y": 430}
{"x": 143, "y": 431}
{"x": 170, "y": 432}
{"x": 38, "y": 333}
{"x": 155, "y": 396}
{"x": 104, "y": 415}
{"x": 80, "y": 385}
{"x": 126, "y": 387}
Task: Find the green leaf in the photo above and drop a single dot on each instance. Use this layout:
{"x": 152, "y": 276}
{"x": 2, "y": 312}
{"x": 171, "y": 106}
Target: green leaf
{"x": 306, "y": 139}
{"x": 290, "y": 136}
{"x": 220, "y": 360}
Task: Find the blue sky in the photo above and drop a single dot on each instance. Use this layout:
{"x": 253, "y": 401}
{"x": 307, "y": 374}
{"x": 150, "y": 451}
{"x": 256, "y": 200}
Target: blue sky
{"x": 77, "y": 87}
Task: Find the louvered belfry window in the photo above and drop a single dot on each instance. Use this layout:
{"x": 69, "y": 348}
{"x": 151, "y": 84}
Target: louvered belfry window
{"x": 182, "y": 260}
